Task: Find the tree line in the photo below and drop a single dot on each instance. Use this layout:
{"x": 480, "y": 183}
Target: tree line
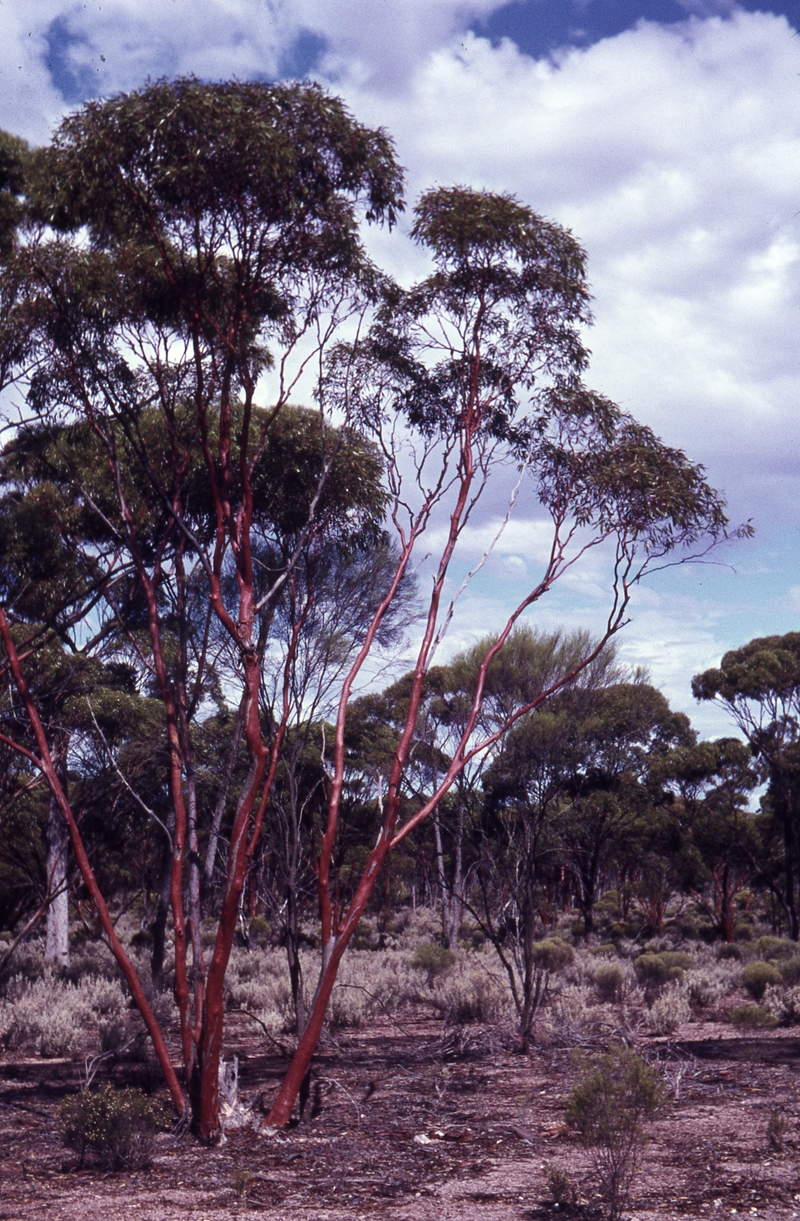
{"x": 200, "y": 577}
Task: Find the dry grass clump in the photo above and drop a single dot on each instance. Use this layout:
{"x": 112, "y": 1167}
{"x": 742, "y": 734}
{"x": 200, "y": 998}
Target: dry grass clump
{"x": 669, "y": 1010}
{"x": 783, "y": 1004}
{"x": 59, "y": 1018}
{"x": 258, "y": 984}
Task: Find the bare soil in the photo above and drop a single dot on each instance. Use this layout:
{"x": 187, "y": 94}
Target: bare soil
{"x": 408, "y": 1123}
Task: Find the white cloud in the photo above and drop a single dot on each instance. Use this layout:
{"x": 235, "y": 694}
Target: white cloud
{"x": 672, "y": 152}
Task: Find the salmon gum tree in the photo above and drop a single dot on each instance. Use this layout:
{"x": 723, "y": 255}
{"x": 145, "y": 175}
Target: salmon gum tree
{"x": 190, "y": 258}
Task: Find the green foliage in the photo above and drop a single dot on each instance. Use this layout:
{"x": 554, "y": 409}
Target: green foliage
{"x": 609, "y": 980}
{"x": 118, "y": 1127}
{"x": 729, "y": 951}
{"x": 610, "y": 1106}
{"x": 432, "y": 958}
{"x": 552, "y": 954}
{"x": 655, "y": 970}
{"x": 756, "y": 976}
{"x": 752, "y": 1017}
{"x": 790, "y": 971}
{"x": 776, "y": 948}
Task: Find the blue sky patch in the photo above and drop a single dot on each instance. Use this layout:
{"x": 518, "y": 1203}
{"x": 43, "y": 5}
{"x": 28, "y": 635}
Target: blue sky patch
{"x": 539, "y": 27}
{"x": 75, "y": 82}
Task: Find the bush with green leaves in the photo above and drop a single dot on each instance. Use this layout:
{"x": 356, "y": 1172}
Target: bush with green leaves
{"x": 757, "y": 975}
{"x": 752, "y": 1017}
{"x": 432, "y": 958}
{"x": 617, "y": 1094}
{"x": 117, "y": 1127}
{"x": 656, "y": 970}
{"x": 776, "y": 948}
{"x": 609, "y": 980}
{"x": 790, "y": 971}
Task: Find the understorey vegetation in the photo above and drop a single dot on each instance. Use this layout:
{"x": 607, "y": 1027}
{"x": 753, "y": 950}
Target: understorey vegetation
{"x": 240, "y": 483}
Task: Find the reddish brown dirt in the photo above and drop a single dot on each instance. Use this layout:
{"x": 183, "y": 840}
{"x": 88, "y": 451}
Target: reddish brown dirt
{"x": 492, "y": 1125}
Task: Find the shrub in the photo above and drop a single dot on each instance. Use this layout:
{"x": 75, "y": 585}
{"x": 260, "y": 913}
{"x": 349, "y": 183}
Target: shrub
{"x": 432, "y": 958}
{"x": 118, "y": 1126}
{"x": 669, "y": 1010}
{"x": 783, "y": 1004}
{"x": 729, "y": 950}
{"x": 609, "y": 981}
{"x": 656, "y": 970}
{"x": 752, "y": 1016}
{"x": 552, "y": 954}
{"x": 707, "y": 987}
{"x": 469, "y": 996}
{"x": 259, "y": 932}
{"x": 776, "y": 1129}
{"x": 59, "y": 1017}
{"x": 776, "y": 947}
{"x": 610, "y": 1106}
{"x": 572, "y": 1006}
{"x": 756, "y": 976}
{"x": 562, "y": 1189}
{"x": 790, "y": 971}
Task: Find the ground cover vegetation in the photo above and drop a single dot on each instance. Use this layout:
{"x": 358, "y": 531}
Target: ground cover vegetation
{"x": 224, "y": 796}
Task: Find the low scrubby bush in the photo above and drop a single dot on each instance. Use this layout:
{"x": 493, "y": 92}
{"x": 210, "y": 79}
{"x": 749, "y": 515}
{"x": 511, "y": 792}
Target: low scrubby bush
{"x": 669, "y": 1010}
{"x": 60, "y": 1018}
{"x": 552, "y": 954}
{"x": 790, "y": 971}
{"x": 783, "y": 1004}
{"x": 432, "y": 958}
{"x": 655, "y": 970}
{"x": 609, "y": 981}
{"x": 776, "y": 948}
{"x": 610, "y": 1106}
{"x": 707, "y": 986}
{"x": 470, "y": 995}
{"x": 118, "y": 1127}
{"x": 751, "y": 1017}
{"x": 757, "y": 975}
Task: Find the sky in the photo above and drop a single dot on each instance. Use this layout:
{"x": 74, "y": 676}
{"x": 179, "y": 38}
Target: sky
{"x": 664, "y": 133}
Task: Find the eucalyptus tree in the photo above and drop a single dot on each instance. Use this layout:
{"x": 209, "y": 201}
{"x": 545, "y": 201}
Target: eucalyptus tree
{"x": 478, "y": 367}
{"x": 621, "y": 734}
{"x": 182, "y": 242}
{"x": 207, "y": 238}
{"x": 758, "y": 685}
{"x": 709, "y": 784}
{"x": 525, "y": 796}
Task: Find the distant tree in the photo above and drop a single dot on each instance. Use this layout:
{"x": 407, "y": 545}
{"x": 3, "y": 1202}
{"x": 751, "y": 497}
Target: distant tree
{"x": 619, "y": 732}
{"x": 525, "y": 795}
{"x": 711, "y": 782}
{"x": 759, "y": 687}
